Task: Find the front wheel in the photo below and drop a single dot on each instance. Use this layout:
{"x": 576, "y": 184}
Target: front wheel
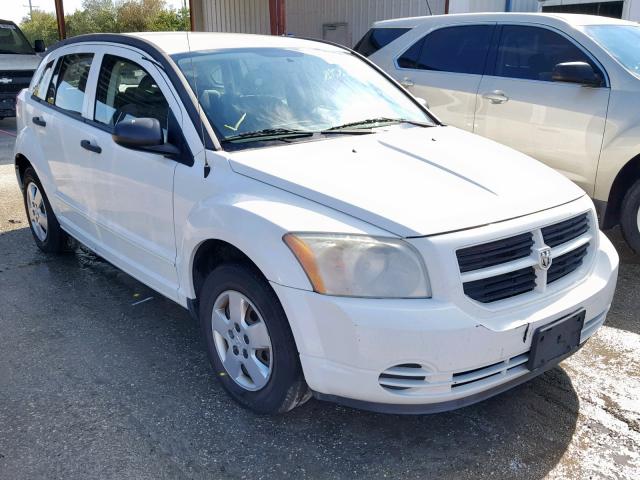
{"x": 249, "y": 342}
{"x": 630, "y": 217}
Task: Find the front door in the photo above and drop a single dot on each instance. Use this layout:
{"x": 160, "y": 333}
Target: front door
{"x": 131, "y": 191}
{"x": 560, "y": 124}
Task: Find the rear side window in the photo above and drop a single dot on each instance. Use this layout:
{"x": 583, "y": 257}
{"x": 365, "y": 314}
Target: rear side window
{"x": 377, "y": 38}
{"x": 460, "y": 49}
{"x": 69, "y": 82}
{"x": 531, "y": 53}
{"x": 40, "y": 88}
{"x": 127, "y": 91}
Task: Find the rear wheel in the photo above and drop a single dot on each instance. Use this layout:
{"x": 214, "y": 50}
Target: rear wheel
{"x": 249, "y": 342}
{"x": 46, "y": 231}
{"x": 630, "y": 217}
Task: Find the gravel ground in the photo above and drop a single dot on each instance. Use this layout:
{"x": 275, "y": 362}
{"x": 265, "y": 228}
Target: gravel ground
{"x": 93, "y": 386}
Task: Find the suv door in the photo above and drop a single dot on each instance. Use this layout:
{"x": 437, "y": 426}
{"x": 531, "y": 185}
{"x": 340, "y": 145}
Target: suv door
{"x": 131, "y": 191}
{"x": 560, "y": 124}
{"x": 445, "y": 68}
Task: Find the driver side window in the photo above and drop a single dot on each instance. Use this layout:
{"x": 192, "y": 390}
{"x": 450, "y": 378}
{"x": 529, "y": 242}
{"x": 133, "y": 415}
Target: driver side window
{"x": 531, "y": 53}
{"x": 127, "y": 91}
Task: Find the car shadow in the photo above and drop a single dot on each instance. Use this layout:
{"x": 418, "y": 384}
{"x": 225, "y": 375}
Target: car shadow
{"x": 124, "y": 372}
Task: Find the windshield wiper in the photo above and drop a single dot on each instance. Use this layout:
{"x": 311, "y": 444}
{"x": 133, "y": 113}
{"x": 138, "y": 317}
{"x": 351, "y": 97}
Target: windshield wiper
{"x": 275, "y": 133}
{"x": 372, "y": 121}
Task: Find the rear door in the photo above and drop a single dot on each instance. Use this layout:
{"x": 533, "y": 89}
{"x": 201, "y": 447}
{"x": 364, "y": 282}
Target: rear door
{"x": 560, "y": 124}
{"x": 445, "y": 68}
{"x": 65, "y": 103}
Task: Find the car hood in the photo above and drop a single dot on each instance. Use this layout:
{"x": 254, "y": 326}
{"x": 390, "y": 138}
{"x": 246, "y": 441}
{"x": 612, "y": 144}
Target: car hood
{"x": 412, "y": 181}
{"x": 9, "y": 61}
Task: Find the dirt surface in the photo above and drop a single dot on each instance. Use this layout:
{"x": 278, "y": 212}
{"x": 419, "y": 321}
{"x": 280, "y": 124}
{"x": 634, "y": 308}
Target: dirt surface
{"x": 94, "y": 384}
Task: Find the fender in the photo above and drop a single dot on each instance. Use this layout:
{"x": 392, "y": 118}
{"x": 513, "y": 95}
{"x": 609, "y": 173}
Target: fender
{"x": 253, "y": 221}
{"x": 616, "y": 153}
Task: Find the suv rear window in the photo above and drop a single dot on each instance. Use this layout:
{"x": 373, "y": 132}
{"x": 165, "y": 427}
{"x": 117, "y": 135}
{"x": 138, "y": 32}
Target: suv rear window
{"x": 377, "y": 38}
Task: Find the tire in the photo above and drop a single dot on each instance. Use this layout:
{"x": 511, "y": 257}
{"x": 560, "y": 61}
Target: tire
{"x": 630, "y": 217}
{"x": 52, "y": 239}
{"x": 279, "y": 386}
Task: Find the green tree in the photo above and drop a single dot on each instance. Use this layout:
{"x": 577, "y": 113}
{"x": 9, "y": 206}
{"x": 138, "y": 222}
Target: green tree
{"x": 40, "y": 26}
{"x": 103, "y": 16}
{"x": 137, "y": 15}
{"x": 95, "y": 16}
{"x": 171, "y": 20}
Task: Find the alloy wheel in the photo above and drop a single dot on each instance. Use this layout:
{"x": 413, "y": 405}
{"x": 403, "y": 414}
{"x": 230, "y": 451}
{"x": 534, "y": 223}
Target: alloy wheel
{"x": 242, "y": 340}
{"x": 37, "y": 212}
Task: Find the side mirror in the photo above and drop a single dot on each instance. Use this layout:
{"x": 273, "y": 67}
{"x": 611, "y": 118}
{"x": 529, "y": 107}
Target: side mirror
{"x": 39, "y": 46}
{"x": 576, "y": 72}
{"x": 143, "y": 134}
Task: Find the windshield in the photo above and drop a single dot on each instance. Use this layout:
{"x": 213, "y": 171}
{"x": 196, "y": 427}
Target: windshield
{"x": 13, "y": 41}
{"x": 275, "y": 90}
{"x": 621, "y": 41}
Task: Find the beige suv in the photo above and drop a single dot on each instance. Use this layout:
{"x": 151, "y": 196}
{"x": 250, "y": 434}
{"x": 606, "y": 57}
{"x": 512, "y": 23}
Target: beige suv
{"x": 564, "y": 89}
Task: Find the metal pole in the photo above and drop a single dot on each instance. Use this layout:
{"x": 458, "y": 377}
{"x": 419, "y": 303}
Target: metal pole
{"x": 277, "y": 17}
{"x": 62, "y": 29}
{"x": 191, "y": 19}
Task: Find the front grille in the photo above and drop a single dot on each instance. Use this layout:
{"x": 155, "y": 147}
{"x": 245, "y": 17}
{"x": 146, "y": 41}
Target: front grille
{"x": 502, "y": 286}
{"x": 412, "y": 378}
{"x": 495, "y": 253}
{"x": 563, "y": 232}
{"x": 510, "y": 267}
{"x": 12, "y": 81}
{"x": 483, "y": 374}
{"x": 567, "y": 263}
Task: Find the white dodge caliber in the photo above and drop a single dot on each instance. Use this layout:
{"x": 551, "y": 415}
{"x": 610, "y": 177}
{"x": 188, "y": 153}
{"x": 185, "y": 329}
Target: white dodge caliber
{"x": 331, "y": 236}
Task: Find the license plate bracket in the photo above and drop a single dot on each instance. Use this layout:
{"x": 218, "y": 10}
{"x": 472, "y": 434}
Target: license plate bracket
{"x": 555, "y": 339}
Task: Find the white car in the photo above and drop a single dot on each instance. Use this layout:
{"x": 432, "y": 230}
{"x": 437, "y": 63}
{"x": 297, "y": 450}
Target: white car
{"x": 331, "y": 236}
{"x": 562, "y": 88}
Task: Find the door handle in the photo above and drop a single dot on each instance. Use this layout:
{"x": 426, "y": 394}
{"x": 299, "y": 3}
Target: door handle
{"x": 39, "y": 121}
{"x": 407, "y": 82}
{"x": 496, "y": 96}
{"x": 87, "y": 145}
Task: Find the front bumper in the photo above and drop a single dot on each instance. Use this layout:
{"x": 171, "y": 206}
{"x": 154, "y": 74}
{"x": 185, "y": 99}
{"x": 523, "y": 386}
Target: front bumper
{"x": 350, "y": 348}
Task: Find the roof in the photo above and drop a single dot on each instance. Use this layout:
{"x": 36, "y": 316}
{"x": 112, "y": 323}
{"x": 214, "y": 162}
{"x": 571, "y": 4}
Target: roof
{"x": 178, "y": 42}
{"x": 570, "y": 19}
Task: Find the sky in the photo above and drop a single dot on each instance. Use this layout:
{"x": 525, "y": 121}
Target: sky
{"x": 16, "y": 10}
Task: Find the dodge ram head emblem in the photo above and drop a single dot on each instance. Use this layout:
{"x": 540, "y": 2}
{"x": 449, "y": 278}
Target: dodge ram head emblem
{"x": 5, "y": 80}
{"x": 544, "y": 258}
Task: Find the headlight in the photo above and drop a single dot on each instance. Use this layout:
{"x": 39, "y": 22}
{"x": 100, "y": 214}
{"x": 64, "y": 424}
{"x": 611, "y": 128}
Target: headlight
{"x": 360, "y": 266}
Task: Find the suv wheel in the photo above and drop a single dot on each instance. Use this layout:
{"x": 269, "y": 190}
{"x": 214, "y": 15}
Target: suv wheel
{"x": 630, "y": 218}
{"x": 46, "y": 231}
{"x": 249, "y": 342}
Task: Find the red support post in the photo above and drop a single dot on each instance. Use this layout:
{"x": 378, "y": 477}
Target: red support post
{"x": 191, "y": 19}
{"x": 277, "y": 17}
{"x": 62, "y": 28}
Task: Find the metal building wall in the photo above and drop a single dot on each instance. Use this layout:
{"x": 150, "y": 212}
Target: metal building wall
{"x": 242, "y": 16}
{"x": 466, "y": 6}
{"x": 305, "y": 18}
